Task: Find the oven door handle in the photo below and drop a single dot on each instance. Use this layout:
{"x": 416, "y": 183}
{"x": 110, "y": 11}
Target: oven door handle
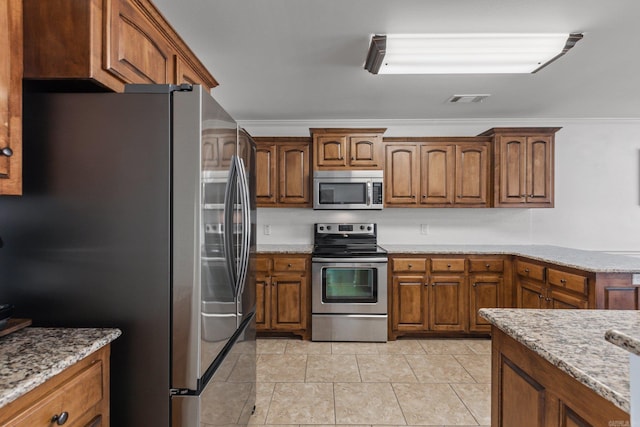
{"x": 350, "y": 260}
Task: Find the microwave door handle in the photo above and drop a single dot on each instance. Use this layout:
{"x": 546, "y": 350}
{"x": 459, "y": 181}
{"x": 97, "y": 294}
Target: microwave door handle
{"x": 369, "y": 193}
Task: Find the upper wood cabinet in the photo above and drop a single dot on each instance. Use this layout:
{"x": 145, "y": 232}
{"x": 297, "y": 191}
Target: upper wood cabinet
{"x": 438, "y": 172}
{"x": 524, "y": 172}
{"x": 108, "y": 42}
{"x": 11, "y": 97}
{"x": 283, "y": 176}
{"x": 347, "y": 149}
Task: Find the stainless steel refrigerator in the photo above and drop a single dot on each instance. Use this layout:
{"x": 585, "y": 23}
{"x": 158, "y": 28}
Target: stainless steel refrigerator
{"x": 139, "y": 213}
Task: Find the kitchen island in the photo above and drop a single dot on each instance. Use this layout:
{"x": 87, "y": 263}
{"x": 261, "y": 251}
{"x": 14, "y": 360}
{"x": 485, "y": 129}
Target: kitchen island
{"x": 555, "y": 368}
{"x": 55, "y": 374}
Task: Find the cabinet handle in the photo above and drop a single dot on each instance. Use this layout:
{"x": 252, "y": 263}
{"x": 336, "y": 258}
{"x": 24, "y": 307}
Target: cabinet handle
{"x": 274, "y": 283}
{"x": 60, "y": 419}
{"x": 353, "y": 158}
{"x": 413, "y": 196}
{"x": 448, "y": 265}
{"x": 6, "y": 151}
{"x": 288, "y": 265}
{"x": 488, "y": 266}
{"x": 540, "y": 296}
{"x": 526, "y": 270}
{"x": 410, "y": 265}
{"x": 563, "y": 281}
{"x": 547, "y": 299}
{"x": 531, "y": 195}
{"x": 424, "y": 196}
{"x": 474, "y": 285}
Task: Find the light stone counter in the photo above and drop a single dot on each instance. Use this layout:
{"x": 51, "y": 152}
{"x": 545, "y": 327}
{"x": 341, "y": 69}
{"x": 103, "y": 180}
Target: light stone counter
{"x": 594, "y": 261}
{"x": 626, "y": 339}
{"x": 31, "y": 356}
{"x": 285, "y": 249}
{"x": 574, "y": 342}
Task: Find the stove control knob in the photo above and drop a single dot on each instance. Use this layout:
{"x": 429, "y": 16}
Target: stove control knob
{"x": 328, "y": 227}
{"x": 362, "y": 227}
{"x": 321, "y": 228}
{"x": 368, "y": 228}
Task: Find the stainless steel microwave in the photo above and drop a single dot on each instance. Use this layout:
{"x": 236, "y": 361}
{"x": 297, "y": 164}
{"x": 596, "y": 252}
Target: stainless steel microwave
{"x": 350, "y": 189}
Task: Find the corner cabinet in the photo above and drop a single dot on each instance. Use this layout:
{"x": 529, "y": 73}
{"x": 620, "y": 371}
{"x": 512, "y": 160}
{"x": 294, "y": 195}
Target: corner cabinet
{"x": 347, "y": 149}
{"x": 106, "y": 42}
{"x": 437, "y": 172}
{"x": 283, "y": 176}
{"x": 11, "y": 98}
{"x": 282, "y": 294}
{"x": 524, "y": 172}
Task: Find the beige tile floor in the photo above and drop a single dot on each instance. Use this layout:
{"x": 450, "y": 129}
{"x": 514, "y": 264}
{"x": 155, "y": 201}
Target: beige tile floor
{"x": 429, "y": 382}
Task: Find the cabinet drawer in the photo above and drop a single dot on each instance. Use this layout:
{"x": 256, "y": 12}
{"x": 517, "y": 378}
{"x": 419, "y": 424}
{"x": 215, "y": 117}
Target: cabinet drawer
{"x": 447, "y": 264}
{"x": 482, "y": 265}
{"x": 290, "y": 264}
{"x": 572, "y": 282}
{"x": 263, "y": 264}
{"x": 410, "y": 264}
{"x": 532, "y": 271}
{"x": 75, "y": 397}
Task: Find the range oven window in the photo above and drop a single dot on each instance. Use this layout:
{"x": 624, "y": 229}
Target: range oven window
{"x": 349, "y": 284}
{"x": 343, "y": 193}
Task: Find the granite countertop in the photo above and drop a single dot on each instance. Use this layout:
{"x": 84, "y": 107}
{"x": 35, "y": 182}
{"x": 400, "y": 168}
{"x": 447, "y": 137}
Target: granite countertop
{"x": 285, "y": 249}
{"x": 574, "y": 342}
{"x": 594, "y": 261}
{"x": 31, "y": 356}
{"x": 628, "y": 339}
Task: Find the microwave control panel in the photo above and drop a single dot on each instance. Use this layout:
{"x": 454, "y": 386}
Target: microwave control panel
{"x": 377, "y": 193}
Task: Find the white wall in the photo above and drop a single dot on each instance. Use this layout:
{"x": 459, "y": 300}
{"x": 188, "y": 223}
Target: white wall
{"x": 597, "y": 203}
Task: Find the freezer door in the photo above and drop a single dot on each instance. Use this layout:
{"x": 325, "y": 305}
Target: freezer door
{"x": 228, "y": 399}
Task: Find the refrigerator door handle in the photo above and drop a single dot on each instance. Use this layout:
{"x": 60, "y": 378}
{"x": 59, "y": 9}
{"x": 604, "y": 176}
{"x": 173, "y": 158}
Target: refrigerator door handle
{"x": 246, "y": 226}
{"x": 229, "y": 210}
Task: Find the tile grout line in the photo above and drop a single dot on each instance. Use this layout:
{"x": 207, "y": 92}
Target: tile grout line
{"x": 451, "y": 385}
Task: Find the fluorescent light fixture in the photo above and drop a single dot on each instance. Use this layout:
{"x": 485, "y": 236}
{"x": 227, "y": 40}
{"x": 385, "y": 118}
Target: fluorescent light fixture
{"x": 465, "y": 53}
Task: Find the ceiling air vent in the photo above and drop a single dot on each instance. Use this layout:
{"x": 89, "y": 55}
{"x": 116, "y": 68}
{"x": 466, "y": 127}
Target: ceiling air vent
{"x": 468, "y": 99}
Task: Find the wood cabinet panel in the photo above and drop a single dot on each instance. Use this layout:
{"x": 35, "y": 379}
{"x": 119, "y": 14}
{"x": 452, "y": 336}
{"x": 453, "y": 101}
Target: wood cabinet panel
{"x": 409, "y": 265}
{"x": 447, "y": 265}
{"x": 472, "y": 174}
{"x": 530, "y": 294}
{"x": 282, "y": 294}
{"x": 81, "y": 390}
{"x": 410, "y": 296}
{"x": 107, "y": 42}
{"x": 401, "y": 174}
{"x": 347, "y": 148}
{"x": 562, "y": 300}
{"x": 11, "y": 97}
{"x": 437, "y": 183}
{"x": 523, "y": 403}
{"x": 283, "y": 172}
{"x": 447, "y": 305}
{"x": 539, "y": 169}
{"x": 485, "y": 292}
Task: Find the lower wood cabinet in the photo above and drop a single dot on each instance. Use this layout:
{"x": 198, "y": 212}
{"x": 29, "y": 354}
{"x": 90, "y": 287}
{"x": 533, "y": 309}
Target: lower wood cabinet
{"x": 77, "y": 397}
{"x": 529, "y": 391}
{"x": 282, "y": 294}
{"x": 544, "y": 285}
{"x": 441, "y": 294}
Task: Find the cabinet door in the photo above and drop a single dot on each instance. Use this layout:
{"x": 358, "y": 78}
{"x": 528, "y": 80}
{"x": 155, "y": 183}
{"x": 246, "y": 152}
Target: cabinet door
{"x": 330, "y": 151}
{"x": 563, "y": 300}
{"x": 135, "y": 50}
{"x": 539, "y": 188}
{"x": 437, "y": 174}
{"x": 365, "y": 152}
{"x": 513, "y": 170}
{"x": 523, "y": 400}
{"x": 448, "y": 303}
{"x": 293, "y": 170}
{"x": 288, "y": 301}
{"x": 410, "y": 294}
{"x": 401, "y": 174}
{"x": 266, "y": 178}
{"x": 485, "y": 292}
{"x": 530, "y": 294}
{"x": 472, "y": 171}
{"x": 11, "y": 97}
{"x": 263, "y": 300}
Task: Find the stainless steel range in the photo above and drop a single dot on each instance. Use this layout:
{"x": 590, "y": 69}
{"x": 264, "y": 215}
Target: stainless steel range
{"x": 349, "y": 284}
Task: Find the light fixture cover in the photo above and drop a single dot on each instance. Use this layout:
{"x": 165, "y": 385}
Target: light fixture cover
{"x": 465, "y": 53}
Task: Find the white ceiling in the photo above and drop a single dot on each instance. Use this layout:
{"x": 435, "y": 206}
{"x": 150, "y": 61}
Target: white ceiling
{"x": 303, "y": 59}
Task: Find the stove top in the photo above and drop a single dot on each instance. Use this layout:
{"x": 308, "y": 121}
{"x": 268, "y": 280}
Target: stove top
{"x": 346, "y": 240}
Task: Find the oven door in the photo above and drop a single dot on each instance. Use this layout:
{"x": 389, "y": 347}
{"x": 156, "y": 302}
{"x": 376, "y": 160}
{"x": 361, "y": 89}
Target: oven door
{"x": 349, "y": 285}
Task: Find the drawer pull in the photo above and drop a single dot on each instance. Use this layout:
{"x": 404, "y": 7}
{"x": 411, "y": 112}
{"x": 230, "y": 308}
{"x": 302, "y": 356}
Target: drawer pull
{"x": 60, "y": 419}
{"x": 563, "y": 280}
{"x": 410, "y": 265}
{"x": 540, "y": 296}
{"x": 289, "y": 265}
{"x": 448, "y": 265}
{"x": 6, "y": 151}
{"x": 547, "y": 299}
{"x": 526, "y": 270}
{"x": 474, "y": 285}
{"x": 488, "y": 266}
